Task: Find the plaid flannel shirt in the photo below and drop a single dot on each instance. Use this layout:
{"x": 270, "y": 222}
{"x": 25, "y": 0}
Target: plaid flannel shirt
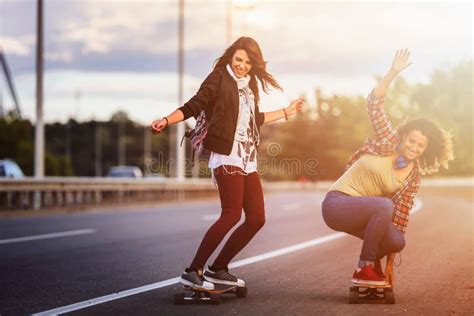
{"x": 385, "y": 143}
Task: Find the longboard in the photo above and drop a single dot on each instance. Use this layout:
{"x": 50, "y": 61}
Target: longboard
{"x": 196, "y": 295}
{"x": 359, "y": 293}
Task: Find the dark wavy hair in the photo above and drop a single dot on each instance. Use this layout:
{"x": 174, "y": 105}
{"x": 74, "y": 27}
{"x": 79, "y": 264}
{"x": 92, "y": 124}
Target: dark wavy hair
{"x": 439, "y": 149}
{"x": 259, "y": 65}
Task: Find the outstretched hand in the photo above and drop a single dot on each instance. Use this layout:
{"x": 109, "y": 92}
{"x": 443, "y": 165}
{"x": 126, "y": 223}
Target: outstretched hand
{"x": 296, "y": 106}
{"x": 400, "y": 61}
{"x": 158, "y": 125}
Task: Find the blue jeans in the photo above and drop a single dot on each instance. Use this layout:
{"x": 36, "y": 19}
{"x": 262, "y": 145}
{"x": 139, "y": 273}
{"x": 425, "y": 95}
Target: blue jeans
{"x": 369, "y": 218}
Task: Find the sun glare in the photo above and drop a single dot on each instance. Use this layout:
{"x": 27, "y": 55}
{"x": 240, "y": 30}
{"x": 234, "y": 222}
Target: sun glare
{"x": 244, "y": 4}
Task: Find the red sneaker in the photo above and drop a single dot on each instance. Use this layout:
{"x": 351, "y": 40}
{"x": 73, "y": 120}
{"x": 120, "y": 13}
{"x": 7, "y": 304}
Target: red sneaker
{"x": 367, "y": 276}
{"x": 378, "y": 268}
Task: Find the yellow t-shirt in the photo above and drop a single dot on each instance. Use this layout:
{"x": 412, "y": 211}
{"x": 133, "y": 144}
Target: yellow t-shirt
{"x": 369, "y": 176}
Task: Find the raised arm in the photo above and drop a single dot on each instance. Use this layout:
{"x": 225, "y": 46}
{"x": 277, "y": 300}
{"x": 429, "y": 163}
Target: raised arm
{"x": 294, "y": 107}
{"x": 399, "y": 63}
{"x": 383, "y": 130}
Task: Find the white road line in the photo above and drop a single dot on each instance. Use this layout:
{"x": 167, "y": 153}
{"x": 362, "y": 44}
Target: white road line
{"x": 286, "y": 250}
{"x": 272, "y": 254}
{"x": 210, "y": 217}
{"x": 153, "y": 286}
{"x": 49, "y": 236}
{"x": 214, "y": 217}
{"x": 291, "y": 207}
{"x": 417, "y": 205}
{"x": 108, "y": 298}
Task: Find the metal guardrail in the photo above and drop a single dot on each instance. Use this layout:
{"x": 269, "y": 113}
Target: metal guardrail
{"x": 57, "y": 192}
{"x": 62, "y": 192}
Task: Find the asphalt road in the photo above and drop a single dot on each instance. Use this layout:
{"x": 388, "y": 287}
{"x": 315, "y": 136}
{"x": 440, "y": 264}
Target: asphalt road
{"x": 112, "y": 251}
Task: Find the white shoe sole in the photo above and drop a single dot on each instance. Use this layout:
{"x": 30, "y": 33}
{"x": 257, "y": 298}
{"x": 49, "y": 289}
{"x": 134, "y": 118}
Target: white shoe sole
{"x": 209, "y": 287}
{"x": 366, "y": 282}
{"x": 217, "y": 281}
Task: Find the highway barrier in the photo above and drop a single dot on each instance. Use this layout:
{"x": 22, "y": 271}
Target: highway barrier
{"x": 80, "y": 192}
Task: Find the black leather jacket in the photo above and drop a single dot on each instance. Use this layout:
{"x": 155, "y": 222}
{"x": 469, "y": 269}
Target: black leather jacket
{"x": 218, "y": 96}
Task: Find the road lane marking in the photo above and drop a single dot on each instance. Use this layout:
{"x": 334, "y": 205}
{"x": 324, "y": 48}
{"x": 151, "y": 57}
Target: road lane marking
{"x": 49, "y": 236}
{"x": 286, "y": 250}
{"x": 265, "y": 256}
{"x": 210, "y": 217}
{"x": 108, "y": 298}
{"x": 291, "y": 207}
{"x": 215, "y": 217}
{"x": 153, "y": 286}
{"x": 417, "y": 205}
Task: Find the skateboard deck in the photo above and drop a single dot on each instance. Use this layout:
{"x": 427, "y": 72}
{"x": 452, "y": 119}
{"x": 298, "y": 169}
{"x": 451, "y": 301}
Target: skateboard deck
{"x": 366, "y": 293}
{"x": 194, "y": 295}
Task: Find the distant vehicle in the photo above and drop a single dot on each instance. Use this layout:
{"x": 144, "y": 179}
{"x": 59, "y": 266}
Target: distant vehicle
{"x": 9, "y": 169}
{"x": 125, "y": 172}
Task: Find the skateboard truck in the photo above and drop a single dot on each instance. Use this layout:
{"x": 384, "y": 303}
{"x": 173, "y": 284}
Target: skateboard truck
{"x": 367, "y": 293}
{"x": 208, "y": 296}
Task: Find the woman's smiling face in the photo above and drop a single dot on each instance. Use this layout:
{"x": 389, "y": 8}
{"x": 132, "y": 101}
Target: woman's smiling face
{"x": 240, "y": 63}
{"x": 413, "y": 145}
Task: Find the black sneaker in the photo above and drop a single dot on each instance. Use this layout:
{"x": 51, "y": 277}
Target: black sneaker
{"x": 222, "y": 277}
{"x": 195, "y": 280}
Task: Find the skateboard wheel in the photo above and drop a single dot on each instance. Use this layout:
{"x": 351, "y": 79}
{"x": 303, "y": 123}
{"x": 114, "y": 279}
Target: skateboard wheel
{"x": 389, "y": 297}
{"x": 179, "y": 298}
{"x": 215, "y": 298}
{"x": 241, "y": 292}
{"x": 353, "y": 297}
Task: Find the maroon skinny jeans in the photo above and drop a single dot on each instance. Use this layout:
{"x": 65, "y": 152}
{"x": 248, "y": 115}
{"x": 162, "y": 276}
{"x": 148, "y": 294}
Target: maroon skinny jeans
{"x": 236, "y": 191}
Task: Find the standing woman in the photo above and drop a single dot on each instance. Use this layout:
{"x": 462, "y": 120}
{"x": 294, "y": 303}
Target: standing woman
{"x": 373, "y": 198}
{"x": 230, "y": 98}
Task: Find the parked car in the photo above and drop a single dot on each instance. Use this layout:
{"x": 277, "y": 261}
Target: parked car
{"x": 9, "y": 169}
{"x": 125, "y": 172}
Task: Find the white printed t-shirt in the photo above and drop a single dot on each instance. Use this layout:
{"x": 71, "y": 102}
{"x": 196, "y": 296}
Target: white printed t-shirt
{"x": 246, "y": 138}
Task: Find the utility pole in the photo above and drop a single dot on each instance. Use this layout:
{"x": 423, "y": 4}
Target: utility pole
{"x": 39, "y": 128}
{"x": 10, "y": 84}
{"x": 98, "y": 149}
{"x": 77, "y": 99}
{"x": 181, "y": 150}
{"x": 146, "y": 151}
{"x": 2, "y": 111}
{"x": 121, "y": 141}
{"x": 67, "y": 145}
{"x": 228, "y": 12}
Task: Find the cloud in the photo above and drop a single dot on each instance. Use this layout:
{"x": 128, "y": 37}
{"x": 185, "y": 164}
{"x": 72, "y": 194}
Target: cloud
{"x": 151, "y": 27}
{"x": 343, "y": 37}
{"x": 333, "y": 38}
{"x": 14, "y": 46}
{"x": 65, "y": 56}
{"x": 99, "y": 94}
{"x": 123, "y": 54}
{"x": 86, "y": 95}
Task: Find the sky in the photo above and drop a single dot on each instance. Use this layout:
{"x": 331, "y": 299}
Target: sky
{"x": 109, "y": 55}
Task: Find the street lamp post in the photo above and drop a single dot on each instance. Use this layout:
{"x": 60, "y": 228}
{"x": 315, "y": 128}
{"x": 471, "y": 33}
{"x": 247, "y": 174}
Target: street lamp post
{"x": 98, "y": 149}
{"x": 121, "y": 141}
{"x": 181, "y": 150}
{"x": 39, "y": 128}
{"x": 228, "y": 12}
{"x": 146, "y": 151}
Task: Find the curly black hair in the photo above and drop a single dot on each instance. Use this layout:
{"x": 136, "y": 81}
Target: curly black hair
{"x": 439, "y": 149}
